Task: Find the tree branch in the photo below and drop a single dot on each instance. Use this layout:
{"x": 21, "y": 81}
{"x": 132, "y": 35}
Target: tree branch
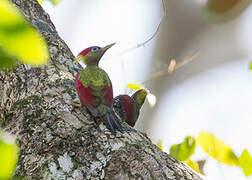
{"x": 58, "y": 141}
{"x": 154, "y": 34}
{"x": 172, "y": 67}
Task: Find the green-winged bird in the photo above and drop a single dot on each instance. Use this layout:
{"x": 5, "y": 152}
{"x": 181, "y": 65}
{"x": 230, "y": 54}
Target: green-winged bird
{"x": 95, "y": 88}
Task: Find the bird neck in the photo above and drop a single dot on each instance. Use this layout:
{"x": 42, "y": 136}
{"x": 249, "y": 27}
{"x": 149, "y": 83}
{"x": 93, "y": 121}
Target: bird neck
{"x": 92, "y": 68}
{"x": 92, "y": 61}
{"x": 137, "y": 101}
{"x": 92, "y": 65}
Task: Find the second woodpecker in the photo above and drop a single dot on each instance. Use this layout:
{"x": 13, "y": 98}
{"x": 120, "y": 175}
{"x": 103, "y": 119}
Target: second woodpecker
{"x": 128, "y": 108}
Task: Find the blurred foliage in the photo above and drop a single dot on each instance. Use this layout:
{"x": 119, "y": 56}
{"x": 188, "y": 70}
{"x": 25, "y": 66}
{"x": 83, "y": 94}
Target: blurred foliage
{"x": 201, "y": 164}
{"x": 214, "y": 147}
{"x": 7, "y": 61}
{"x": 159, "y": 144}
{"x": 54, "y": 2}
{"x": 133, "y": 86}
{"x": 250, "y": 65}
{"x": 221, "y": 6}
{"x": 221, "y": 11}
{"x": 9, "y": 156}
{"x": 183, "y": 150}
{"x": 192, "y": 164}
{"x": 217, "y": 149}
{"x": 245, "y": 162}
{"x": 19, "y": 40}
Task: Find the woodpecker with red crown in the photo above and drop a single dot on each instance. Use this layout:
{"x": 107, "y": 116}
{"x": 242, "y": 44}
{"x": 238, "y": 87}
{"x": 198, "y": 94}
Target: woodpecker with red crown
{"x": 128, "y": 108}
{"x": 95, "y": 88}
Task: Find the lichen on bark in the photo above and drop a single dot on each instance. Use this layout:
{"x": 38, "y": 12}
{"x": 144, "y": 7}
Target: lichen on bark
{"x": 59, "y": 141}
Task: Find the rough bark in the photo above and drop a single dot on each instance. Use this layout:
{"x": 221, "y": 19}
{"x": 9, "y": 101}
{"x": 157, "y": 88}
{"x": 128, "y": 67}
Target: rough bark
{"x": 58, "y": 141}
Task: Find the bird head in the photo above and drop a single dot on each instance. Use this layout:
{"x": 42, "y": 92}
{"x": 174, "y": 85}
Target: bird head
{"x": 92, "y": 55}
{"x": 139, "y": 97}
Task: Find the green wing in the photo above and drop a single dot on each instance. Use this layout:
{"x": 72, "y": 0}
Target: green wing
{"x": 94, "y": 77}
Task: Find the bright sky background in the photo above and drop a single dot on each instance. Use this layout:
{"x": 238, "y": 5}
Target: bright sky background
{"x": 213, "y": 93}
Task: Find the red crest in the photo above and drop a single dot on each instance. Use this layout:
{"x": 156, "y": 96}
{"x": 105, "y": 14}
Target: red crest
{"x": 85, "y": 51}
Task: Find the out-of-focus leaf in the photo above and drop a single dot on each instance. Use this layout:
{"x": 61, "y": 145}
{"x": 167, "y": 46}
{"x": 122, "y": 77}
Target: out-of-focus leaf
{"x": 201, "y": 164}
{"x": 8, "y": 156}
{"x": 217, "y": 149}
{"x": 245, "y": 162}
{"x": 192, "y": 164}
{"x": 159, "y": 144}
{"x": 222, "y": 6}
{"x": 133, "y": 86}
{"x": 183, "y": 150}
{"x": 54, "y": 2}
{"x": 6, "y": 61}
{"x": 40, "y": 1}
{"x": 19, "y": 39}
{"x": 151, "y": 99}
{"x": 250, "y": 65}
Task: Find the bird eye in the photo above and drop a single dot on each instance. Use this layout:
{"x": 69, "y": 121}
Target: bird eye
{"x": 96, "y": 48}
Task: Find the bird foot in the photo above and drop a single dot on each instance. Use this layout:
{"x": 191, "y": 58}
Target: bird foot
{"x": 76, "y": 105}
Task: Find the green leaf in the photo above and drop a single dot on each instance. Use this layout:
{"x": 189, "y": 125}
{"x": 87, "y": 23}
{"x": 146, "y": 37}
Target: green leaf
{"x": 217, "y": 149}
{"x": 159, "y": 144}
{"x": 250, "y": 65}
{"x": 192, "y": 164}
{"x": 245, "y": 162}
{"x": 201, "y": 164}
{"x": 133, "y": 86}
{"x": 19, "y": 39}
{"x": 183, "y": 150}
{"x": 40, "y": 1}
{"x": 9, "y": 156}
{"x": 7, "y": 61}
{"x": 54, "y": 2}
{"x": 222, "y": 6}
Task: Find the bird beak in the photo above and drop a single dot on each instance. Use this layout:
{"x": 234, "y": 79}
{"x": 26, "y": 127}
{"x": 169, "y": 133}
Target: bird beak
{"x": 104, "y": 49}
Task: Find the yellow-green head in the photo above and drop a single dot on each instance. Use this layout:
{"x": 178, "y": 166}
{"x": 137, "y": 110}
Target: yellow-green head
{"x": 139, "y": 98}
{"x": 92, "y": 55}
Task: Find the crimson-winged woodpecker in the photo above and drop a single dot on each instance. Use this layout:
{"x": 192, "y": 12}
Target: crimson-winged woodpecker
{"x": 95, "y": 88}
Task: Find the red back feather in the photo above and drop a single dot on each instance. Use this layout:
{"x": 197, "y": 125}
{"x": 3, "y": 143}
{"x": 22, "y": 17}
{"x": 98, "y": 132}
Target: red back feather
{"x": 85, "y": 93}
{"x": 108, "y": 91}
{"x": 128, "y": 108}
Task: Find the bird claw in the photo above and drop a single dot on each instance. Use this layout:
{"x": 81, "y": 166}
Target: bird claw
{"x": 77, "y": 105}
{"x": 112, "y": 122}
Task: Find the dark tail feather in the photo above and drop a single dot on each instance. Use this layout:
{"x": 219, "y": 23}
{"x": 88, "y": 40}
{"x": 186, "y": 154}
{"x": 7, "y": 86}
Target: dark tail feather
{"x": 117, "y": 124}
{"x": 112, "y": 122}
{"x": 108, "y": 123}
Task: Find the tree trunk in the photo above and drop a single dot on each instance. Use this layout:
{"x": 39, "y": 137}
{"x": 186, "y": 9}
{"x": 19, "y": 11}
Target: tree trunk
{"x": 59, "y": 141}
